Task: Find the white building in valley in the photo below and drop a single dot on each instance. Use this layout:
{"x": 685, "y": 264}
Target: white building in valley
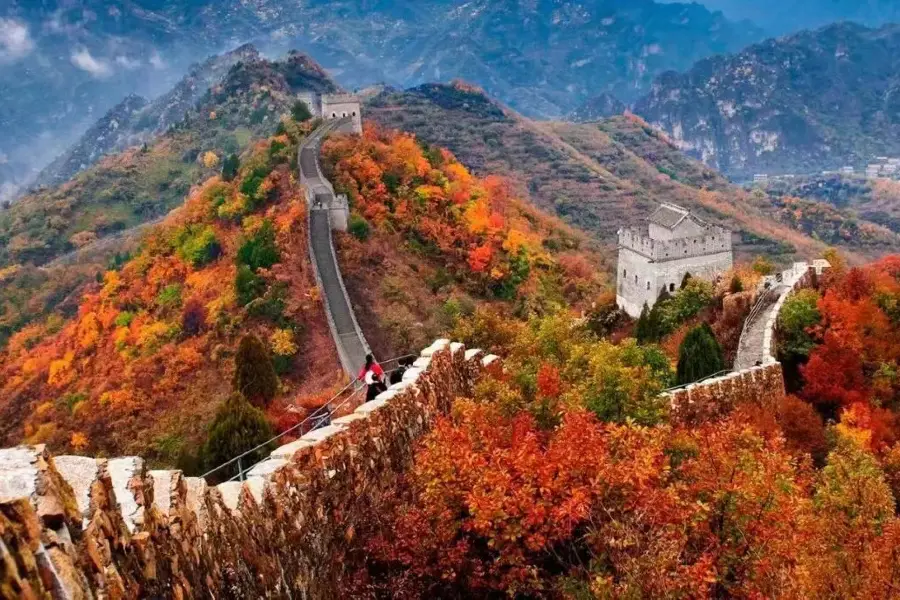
{"x": 676, "y": 243}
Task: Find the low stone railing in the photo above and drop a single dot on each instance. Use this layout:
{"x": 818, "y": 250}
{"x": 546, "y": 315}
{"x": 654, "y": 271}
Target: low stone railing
{"x": 77, "y": 527}
{"x": 761, "y": 385}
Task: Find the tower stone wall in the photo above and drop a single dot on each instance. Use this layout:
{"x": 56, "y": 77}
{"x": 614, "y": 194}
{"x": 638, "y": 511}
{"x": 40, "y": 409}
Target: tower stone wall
{"x": 656, "y": 261}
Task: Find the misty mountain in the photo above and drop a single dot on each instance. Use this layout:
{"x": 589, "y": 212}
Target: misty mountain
{"x": 815, "y": 100}
{"x": 63, "y": 65}
{"x": 785, "y": 16}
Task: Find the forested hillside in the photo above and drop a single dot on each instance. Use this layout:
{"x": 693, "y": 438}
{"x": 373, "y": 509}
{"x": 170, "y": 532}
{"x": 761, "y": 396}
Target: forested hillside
{"x": 605, "y": 175}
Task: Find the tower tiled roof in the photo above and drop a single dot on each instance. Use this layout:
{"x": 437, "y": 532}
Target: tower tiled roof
{"x": 671, "y": 215}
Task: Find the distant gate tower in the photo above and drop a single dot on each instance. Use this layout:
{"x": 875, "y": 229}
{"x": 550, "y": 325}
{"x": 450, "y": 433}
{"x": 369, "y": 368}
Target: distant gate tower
{"x": 676, "y": 243}
{"x": 334, "y": 106}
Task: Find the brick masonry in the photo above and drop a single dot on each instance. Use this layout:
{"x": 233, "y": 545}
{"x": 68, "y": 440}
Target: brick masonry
{"x": 80, "y": 528}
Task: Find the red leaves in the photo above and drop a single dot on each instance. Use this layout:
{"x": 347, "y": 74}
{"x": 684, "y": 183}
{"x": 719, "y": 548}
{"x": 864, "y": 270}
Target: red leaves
{"x": 548, "y": 381}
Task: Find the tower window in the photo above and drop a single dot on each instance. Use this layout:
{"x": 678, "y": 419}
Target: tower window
{"x": 671, "y": 287}
{"x": 635, "y": 278}
{"x": 624, "y": 273}
{"x": 648, "y": 285}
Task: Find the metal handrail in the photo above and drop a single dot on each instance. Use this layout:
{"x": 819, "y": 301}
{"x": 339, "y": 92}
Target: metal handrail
{"x": 701, "y": 380}
{"x": 317, "y": 414}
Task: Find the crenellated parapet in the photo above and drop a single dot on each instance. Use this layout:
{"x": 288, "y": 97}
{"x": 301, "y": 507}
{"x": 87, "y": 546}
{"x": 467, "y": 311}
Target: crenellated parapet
{"x": 79, "y": 527}
{"x": 714, "y": 241}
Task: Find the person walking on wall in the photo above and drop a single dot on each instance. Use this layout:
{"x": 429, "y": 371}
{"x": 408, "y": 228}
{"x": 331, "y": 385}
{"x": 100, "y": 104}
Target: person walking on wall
{"x": 373, "y": 375}
{"x": 397, "y": 375}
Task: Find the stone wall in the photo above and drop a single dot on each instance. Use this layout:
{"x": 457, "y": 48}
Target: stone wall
{"x": 77, "y": 527}
{"x": 713, "y": 241}
{"x": 714, "y": 398}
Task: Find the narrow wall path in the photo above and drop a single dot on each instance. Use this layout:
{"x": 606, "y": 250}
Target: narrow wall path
{"x": 351, "y": 343}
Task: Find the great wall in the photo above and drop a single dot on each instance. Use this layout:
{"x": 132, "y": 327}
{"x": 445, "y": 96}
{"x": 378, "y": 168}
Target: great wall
{"x": 75, "y": 527}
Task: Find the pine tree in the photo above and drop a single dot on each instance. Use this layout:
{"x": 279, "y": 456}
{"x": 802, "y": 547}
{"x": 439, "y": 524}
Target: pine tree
{"x": 699, "y": 355}
{"x": 737, "y": 286}
{"x": 254, "y": 374}
{"x": 300, "y": 111}
{"x": 642, "y": 331}
{"x": 230, "y": 167}
{"x": 236, "y": 428}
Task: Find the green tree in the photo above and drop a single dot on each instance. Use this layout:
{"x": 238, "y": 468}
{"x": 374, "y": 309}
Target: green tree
{"x": 799, "y": 313}
{"x": 236, "y": 428}
{"x": 643, "y": 330}
{"x": 254, "y": 373}
{"x": 699, "y": 355}
{"x": 300, "y": 111}
{"x": 259, "y": 251}
{"x": 248, "y": 286}
{"x": 230, "y": 167}
{"x": 358, "y": 227}
{"x": 737, "y": 286}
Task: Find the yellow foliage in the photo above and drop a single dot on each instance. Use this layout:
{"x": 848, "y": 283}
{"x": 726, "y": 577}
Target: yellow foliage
{"x": 282, "y": 342}
{"x": 210, "y": 159}
{"x": 43, "y": 434}
{"x": 8, "y": 272}
{"x": 514, "y": 241}
{"x": 112, "y": 281}
{"x": 153, "y": 335}
{"x": 60, "y": 370}
{"x": 89, "y": 331}
{"x": 43, "y": 408}
{"x": 78, "y": 441}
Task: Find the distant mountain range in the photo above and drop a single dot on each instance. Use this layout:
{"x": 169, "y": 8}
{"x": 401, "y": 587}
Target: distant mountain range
{"x": 799, "y": 104}
{"x": 63, "y": 64}
{"x": 785, "y": 16}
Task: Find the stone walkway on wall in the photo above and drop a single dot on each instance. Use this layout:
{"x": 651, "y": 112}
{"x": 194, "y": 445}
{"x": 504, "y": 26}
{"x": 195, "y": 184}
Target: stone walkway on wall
{"x": 752, "y": 350}
{"x": 351, "y": 343}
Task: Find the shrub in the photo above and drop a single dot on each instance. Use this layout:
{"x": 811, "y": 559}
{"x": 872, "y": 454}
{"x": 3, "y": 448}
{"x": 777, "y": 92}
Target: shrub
{"x": 169, "y": 296}
{"x": 193, "y": 317}
{"x": 230, "y": 167}
{"x": 197, "y": 245}
{"x": 359, "y": 227}
{"x": 252, "y": 183}
{"x": 259, "y": 251}
{"x": 248, "y": 286}
{"x": 300, "y": 111}
{"x": 762, "y": 266}
{"x": 736, "y": 286}
{"x": 699, "y": 355}
{"x": 124, "y": 319}
{"x": 236, "y": 428}
{"x": 254, "y": 375}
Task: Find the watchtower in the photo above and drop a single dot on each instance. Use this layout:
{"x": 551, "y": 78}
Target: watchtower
{"x": 675, "y": 243}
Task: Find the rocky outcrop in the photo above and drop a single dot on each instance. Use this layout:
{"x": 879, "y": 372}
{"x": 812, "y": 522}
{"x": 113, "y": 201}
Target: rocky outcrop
{"x": 78, "y": 527}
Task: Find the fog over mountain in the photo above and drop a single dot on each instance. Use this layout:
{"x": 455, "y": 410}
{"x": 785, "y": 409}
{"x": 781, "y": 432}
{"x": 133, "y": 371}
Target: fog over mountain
{"x": 65, "y": 63}
{"x": 784, "y": 16}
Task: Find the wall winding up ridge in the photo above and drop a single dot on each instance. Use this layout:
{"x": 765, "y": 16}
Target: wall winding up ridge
{"x": 77, "y": 527}
{"x": 761, "y": 384}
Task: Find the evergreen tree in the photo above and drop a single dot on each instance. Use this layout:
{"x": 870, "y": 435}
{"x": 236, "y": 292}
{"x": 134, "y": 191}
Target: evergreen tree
{"x": 300, "y": 111}
{"x": 642, "y": 330}
{"x": 230, "y": 167}
{"x": 699, "y": 355}
{"x": 236, "y": 428}
{"x": 254, "y": 374}
{"x": 736, "y": 286}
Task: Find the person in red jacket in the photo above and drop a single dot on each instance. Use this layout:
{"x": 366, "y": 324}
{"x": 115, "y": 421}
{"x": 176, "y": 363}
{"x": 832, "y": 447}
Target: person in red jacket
{"x": 370, "y": 365}
{"x": 373, "y": 375}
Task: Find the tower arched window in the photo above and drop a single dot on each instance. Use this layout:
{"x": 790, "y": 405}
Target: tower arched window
{"x": 648, "y": 285}
{"x": 635, "y": 279}
{"x": 671, "y": 287}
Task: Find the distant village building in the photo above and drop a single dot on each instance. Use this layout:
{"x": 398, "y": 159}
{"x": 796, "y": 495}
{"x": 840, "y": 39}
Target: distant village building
{"x": 676, "y": 243}
{"x": 760, "y": 178}
{"x": 847, "y": 170}
{"x": 334, "y": 106}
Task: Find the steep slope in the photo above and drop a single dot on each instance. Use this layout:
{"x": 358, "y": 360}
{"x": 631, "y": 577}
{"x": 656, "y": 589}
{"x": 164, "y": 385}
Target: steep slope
{"x": 144, "y": 363}
{"x": 78, "y": 58}
{"x": 136, "y": 120}
{"x": 598, "y": 177}
{"x": 812, "y": 101}
{"x": 81, "y": 219}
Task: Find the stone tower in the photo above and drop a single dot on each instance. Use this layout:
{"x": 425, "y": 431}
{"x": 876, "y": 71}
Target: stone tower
{"x": 675, "y": 243}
